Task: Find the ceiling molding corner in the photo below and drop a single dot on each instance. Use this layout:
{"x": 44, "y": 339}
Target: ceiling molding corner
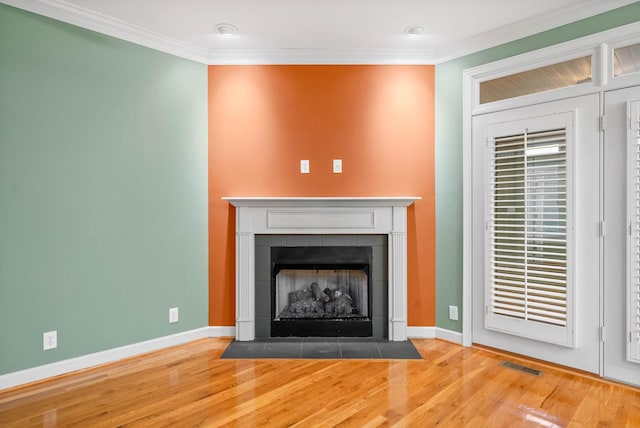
{"x": 528, "y": 27}
{"x": 94, "y": 21}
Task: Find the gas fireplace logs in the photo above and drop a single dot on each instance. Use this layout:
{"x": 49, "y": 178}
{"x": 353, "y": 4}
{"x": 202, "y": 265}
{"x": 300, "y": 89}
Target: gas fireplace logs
{"x": 312, "y": 302}
{"x": 317, "y": 293}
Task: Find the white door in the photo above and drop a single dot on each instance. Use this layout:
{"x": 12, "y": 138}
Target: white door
{"x": 622, "y": 235}
{"x": 536, "y": 231}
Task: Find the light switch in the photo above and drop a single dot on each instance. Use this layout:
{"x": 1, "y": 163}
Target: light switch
{"x": 304, "y": 167}
{"x": 337, "y": 166}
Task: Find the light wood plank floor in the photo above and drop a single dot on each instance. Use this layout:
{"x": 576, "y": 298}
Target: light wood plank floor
{"x": 190, "y": 385}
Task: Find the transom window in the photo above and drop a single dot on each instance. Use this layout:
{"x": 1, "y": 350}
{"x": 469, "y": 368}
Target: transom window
{"x": 626, "y": 60}
{"x": 555, "y": 76}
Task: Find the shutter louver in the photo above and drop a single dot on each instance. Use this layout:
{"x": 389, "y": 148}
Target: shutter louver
{"x": 633, "y": 352}
{"x": 528, "y": 226}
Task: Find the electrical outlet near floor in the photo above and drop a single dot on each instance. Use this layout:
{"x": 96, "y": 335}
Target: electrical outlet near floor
{"x": 173, "y": 315}
{"x": 453, "y": 313}
{"x": 50, "y": 340}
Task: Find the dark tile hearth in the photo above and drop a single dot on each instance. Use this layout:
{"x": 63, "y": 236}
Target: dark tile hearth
{"x": 322, "y": 348}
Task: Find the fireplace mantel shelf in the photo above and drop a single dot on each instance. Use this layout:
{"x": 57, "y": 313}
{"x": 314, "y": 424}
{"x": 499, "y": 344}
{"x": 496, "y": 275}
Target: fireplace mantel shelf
{"x": 280, "y": 201}
{"x": 321, "y": 215}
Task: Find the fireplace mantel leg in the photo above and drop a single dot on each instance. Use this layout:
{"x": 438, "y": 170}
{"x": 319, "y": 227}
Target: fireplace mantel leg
{"x": 398, "y": 276}
{"x": 245, "y": 286}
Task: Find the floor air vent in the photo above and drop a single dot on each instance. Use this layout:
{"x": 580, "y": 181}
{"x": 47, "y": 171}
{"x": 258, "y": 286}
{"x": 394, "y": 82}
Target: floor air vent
{"x": 518, "y": 367}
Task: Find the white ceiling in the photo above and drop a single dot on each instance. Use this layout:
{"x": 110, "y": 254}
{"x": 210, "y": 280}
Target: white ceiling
{"x": 303, "y": 31}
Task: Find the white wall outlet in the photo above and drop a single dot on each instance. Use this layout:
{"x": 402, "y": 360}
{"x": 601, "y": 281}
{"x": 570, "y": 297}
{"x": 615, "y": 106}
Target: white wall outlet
{"x": 173, "y": 315}
{"x": 453, "y": 313}
{"x": 50, "y": 340}
{"x": 304, "y": 167}
{"x": 337, "y": 166}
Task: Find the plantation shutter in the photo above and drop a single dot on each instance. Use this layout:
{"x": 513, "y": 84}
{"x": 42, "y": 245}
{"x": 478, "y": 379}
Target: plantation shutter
{"x": 633, "y": 348}
{"x": 527, "y": 224}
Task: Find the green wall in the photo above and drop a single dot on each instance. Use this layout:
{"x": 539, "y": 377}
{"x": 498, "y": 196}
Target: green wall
{"x": 448, "y": 147}
{"x": 103, "y": 191}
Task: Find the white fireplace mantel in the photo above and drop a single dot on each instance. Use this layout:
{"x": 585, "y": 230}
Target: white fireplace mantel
{"x": 321, "y": 215}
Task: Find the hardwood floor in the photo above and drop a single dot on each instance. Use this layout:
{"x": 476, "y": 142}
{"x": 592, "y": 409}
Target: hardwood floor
{"x": 190, "y": 385}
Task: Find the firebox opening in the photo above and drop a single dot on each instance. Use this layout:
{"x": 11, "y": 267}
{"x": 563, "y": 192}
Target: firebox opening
{"x": 321, "y": 291}
{"x": 321, "y": 294}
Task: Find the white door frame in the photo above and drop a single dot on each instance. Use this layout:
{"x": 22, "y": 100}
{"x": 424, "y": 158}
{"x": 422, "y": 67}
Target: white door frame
{"x": 616, "y": 265}
{"x": 601, "y": 46}
{"x": 578, "y": 343}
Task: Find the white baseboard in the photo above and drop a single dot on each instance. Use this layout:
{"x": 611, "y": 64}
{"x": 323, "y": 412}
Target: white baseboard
{"x": 434, "y": 333}
{"x": 421, "y": 332}
{"x": 85, "y": 361}
{"x": 222, "y": 331}
{"x": 449, "y": 335}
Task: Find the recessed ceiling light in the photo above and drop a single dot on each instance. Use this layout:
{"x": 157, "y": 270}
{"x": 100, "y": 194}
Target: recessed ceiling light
{"x": 226, "y": 29}
{"x": 416, "y": 30}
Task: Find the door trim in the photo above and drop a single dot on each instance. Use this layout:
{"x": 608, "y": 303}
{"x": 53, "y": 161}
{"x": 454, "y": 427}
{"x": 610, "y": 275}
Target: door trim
{"x": 604, "y": 42}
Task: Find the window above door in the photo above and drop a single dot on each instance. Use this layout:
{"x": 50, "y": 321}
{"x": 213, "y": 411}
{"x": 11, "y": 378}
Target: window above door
{"x": 579, "y": 67}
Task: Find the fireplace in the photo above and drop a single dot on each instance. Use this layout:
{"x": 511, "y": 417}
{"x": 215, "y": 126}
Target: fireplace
{"x": 321, "y": 291}
{"x": 329, "y": 259}
{"x": 294, "y": 216}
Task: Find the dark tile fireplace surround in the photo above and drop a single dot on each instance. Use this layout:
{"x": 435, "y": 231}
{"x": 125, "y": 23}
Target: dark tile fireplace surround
{"x": 378, "y": 276}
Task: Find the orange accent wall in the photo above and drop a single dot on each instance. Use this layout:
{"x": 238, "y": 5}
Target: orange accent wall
{"x": 379, "y": 119}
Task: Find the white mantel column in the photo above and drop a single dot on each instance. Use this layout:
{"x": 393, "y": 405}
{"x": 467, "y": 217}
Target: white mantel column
{"x": 245, "y": 276}
{"x": 397, "y": 249}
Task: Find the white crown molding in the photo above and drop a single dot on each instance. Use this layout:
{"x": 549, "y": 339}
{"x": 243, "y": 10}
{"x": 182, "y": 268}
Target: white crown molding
{"x": 90, "y": 20}
{"x": 528, "y": 27}
{"x": 321, "y": 56}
